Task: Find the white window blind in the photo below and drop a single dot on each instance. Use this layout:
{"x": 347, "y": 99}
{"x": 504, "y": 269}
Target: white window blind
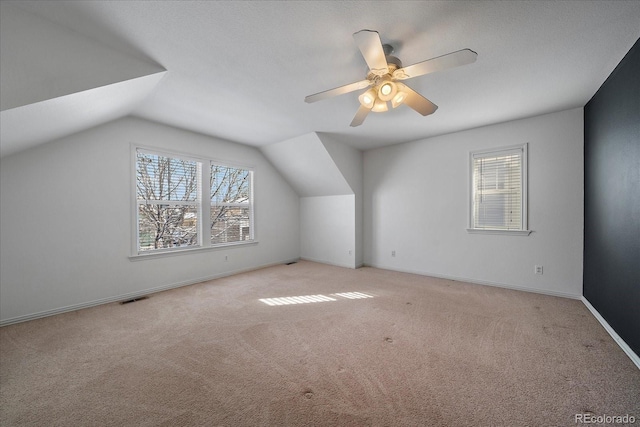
{"x": 231, "y": 204}
{"x": 498, "y": 187}
{"x": 167, "y": 193}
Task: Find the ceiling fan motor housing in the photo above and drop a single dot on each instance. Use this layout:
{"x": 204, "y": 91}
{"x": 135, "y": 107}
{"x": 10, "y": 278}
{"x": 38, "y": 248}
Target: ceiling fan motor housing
{"x": 392, "y": 60}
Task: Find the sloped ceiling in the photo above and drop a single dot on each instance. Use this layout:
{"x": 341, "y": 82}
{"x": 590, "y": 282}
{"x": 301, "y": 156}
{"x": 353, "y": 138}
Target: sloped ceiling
{"x": 307, "y": 165}
{"x": 55, "y": 82}
{"x": 240, "y": 70}
{"x": 37, "y": 123}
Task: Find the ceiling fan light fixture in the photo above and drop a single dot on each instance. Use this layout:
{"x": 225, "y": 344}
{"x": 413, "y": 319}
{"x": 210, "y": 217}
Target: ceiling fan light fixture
{"x": 380, "y": 106}
{"x": 368, "y": 98}
{"x": 400, "y": 96}
{"x": 387, "y": 90}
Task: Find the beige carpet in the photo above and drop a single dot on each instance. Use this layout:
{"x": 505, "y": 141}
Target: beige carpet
{"x": 418, "y": 352}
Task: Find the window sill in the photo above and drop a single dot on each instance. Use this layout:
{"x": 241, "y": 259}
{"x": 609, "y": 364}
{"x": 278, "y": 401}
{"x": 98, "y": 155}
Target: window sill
{"x": 503, "y": 232}
{"x": 175, "y": 252}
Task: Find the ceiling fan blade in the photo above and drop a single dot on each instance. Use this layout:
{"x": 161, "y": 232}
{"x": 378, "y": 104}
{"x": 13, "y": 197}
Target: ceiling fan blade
{"x": 371, "y": 48}
{"x": 419, "y": 103}
{"x": 360, "y": 116}
{"x": 337, "y": 91}
{"x": 450, "y": 60}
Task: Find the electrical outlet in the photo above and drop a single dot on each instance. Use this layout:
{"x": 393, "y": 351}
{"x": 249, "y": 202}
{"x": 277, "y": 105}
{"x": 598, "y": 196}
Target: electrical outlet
{"x": 393, "y": 253}
{"x": 538, "y": 269}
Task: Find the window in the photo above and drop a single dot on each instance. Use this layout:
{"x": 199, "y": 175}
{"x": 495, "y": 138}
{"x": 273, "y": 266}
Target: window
{"x": 230, "y": 204}
{"x": 173, "y": 205}
{"x": 168, "y": 202}
{"x": 499, "y": 191}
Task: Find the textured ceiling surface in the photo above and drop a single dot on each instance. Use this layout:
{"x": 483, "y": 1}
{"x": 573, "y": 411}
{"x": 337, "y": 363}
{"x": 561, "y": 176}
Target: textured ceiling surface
{"x": 240, "y": 70}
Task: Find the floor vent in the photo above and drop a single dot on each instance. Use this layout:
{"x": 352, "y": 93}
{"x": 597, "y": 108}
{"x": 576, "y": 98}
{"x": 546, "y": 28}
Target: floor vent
{"x": 133, "y": 300}
{"x": 292, "y": 262}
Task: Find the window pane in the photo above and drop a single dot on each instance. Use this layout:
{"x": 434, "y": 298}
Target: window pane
{"x": 497, "y": 191}
{"x": 498, "y": 211}
{"x": 230, "y": 224}
{"x": 167, "y": 226}
{"x": 229, "y": 185}
{"x": 230, "y": 204}
{"x": 166, "y": 178}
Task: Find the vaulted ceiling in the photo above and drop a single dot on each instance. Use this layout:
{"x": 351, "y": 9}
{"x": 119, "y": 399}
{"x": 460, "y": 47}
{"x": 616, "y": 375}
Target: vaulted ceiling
{"x": 240, "y": 70}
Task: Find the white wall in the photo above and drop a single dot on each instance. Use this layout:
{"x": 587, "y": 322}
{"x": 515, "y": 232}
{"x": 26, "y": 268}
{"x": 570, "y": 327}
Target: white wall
{"x": 66, "y": 220}
{"x": 416, "y": 203}
{"x": 349, "y": 161}
{"x": 327, "y": 229}
{"x": 327, "y": 175}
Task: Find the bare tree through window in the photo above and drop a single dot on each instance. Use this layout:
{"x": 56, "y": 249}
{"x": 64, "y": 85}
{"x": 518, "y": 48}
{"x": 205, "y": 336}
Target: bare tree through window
{"x": 230, "y": 204}
{"x": 167, "y": 193}
{"x": 172, "y": 201}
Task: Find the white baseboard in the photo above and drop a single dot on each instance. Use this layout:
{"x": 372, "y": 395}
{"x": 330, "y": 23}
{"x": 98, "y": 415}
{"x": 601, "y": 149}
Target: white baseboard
{"x": 337, "y": 264}
{"x": 617, "y": 338}
{"x": 480, "y": 282}
{"x": 136, "y": 294}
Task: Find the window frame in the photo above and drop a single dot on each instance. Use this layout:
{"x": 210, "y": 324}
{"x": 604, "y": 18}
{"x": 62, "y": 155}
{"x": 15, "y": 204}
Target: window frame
{"x": 251, "y": 204}
{"x": 203, "y": 204}
{"x": 501, "y": 151}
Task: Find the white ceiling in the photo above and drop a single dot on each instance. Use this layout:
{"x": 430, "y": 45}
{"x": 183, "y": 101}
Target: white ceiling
{"x": 240, "y": 70}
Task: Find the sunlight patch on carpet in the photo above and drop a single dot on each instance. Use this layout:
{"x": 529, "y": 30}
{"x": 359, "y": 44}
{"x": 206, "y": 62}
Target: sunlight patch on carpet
{"x": 306, "y": 299}
{"x": 353, "y": 295}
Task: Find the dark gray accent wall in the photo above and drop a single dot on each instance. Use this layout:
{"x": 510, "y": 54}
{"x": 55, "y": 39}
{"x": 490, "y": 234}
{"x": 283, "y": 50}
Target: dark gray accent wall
{"x": 612, "y": 199}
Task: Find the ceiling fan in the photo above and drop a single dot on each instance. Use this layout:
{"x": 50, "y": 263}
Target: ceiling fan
{"x": 385, "y": 74}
